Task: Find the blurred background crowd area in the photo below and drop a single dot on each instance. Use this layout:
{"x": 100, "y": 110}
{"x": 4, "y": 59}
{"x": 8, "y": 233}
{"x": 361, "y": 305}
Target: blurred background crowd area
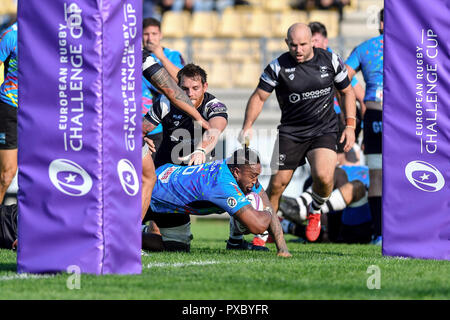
{"x": 234, "y": 39}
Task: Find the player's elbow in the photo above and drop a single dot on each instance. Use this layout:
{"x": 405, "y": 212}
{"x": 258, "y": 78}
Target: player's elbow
{"x": 261, "y": 224}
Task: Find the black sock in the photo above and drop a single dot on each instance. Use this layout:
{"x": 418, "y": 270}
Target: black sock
{"x": 375, "y": 210}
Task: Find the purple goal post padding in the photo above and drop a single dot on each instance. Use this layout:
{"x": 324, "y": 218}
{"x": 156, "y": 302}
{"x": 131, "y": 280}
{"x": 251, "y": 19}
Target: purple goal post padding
{"x": 416, "y": 129}
{"x": 79, "y": 136}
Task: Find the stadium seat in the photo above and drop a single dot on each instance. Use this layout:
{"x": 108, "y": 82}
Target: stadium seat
{"x": 256, "y": 24}
{"x": 174, "y": 24}
{"x": 203, "y": 24}
{"x": 7, "y": 7}
{"x": 247, "y": 75}
{"x": 176, "y": 44}
{"x": 330, "y": 18}
{"x": 363, "y": 5}
{"x": 281, "y": 21}
{"x": 277, "y": 6}
{"x": 275, "y": 47}
{"x": 208, "y": 49}
{"x": 244, "y": 49}
{"x": 220, "y": 75}
{"x": 230, "y": 25}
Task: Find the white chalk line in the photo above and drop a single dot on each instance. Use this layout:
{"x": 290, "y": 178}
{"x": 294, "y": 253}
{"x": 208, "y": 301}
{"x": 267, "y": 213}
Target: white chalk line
{"x": 193, "y": 263}
{"x": 25, "y": 276}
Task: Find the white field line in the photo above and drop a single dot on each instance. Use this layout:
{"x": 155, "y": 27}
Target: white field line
{"x": 25, "y": 276}
{"x": 193, "y": 263}
{"x": 181, "y": 264}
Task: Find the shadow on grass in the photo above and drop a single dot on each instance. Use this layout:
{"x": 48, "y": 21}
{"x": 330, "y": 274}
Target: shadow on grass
{"x": 8, "y": 267}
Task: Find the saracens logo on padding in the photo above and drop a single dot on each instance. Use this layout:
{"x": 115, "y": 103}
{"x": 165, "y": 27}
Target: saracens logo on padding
{"x": 424, "y": 176}
{"x": 128, "y": 177}
{"x": 69, "y": 177}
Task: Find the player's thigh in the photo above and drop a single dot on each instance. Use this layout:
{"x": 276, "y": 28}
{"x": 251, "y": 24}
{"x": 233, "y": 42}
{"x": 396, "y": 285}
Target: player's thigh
{"x": 376, "y": 182}
{"x": 279, "y": 181}
{"x": 322, "y": 158}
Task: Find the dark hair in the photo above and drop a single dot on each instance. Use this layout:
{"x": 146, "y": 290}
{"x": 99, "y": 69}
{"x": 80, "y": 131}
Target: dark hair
{"x": 245, "y": 156}
{"x": 382, "y": 15}
{"x": 151, "y": 22}
{"x": 318, "y": 27}
{"x": 192, "y": 71}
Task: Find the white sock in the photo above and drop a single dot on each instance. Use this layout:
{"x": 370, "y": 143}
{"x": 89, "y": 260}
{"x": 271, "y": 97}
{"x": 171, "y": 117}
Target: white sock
{"x": 336, "y": 202}
{"x": 303, "y": 202}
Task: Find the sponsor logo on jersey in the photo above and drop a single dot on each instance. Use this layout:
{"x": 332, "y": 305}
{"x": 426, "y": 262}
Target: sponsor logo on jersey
{"x": 165, "y": 175}
{"x": 291, "y": 76}
{"x": 316, "y": 93}
{"x": 231, "y": 202}
{"x": 294, "y": 97}
{"x": 128, "y": 177}
{"x": 288, "y": 70}
{"x": 236, "y": 187}
{"x": 323, "y": 71}
{"x": 424, "y": 176}
{"x": 69, "y": 177}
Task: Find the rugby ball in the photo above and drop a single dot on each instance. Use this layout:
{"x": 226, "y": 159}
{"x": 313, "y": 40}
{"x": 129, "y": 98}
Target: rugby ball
{"x": 255, "y": 200}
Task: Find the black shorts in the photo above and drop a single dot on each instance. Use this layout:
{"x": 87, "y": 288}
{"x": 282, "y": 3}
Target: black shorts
{"x": 157, "y": 139}
{"x": 8, "y": 226}
{"x": 8, "y": 126}
{"x": 373, "y": 131}
{"x": 289, "y": 154}
{"x": 341, "y": 128}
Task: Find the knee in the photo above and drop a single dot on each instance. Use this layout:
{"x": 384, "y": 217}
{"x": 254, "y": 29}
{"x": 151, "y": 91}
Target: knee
{"x": 359, "y": 190}
{"x": 276, "y": 187}
{"x": 323, "y": 178}
{"x": 7, "y": 176}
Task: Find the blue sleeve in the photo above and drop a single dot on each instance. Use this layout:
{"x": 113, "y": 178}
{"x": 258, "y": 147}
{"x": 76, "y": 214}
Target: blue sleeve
{"x": 257, "y": 187}
{"x": 7, "y": 44}
{"x": 353, "y": 60}
{"x": 228, "y": 196}
{"x": 174, "y": 57}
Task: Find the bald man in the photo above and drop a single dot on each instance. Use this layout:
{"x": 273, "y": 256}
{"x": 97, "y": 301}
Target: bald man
{"x": 304, "y": 79}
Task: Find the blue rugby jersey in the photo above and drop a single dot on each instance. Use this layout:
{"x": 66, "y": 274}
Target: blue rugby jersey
{"x": 368, "y": 57}
{"x": 200, "y": 190}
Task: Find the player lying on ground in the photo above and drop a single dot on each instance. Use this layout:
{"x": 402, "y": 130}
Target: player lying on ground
{"x": 214, "y": 187}
{"x": 346, "y": 215}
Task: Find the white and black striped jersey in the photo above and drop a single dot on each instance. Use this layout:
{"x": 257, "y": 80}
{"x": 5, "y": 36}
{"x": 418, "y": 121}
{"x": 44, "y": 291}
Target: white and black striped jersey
{"x": 178, "y": 127}
{"x": 149, "y": 64}
{"x": 305, "y": 92}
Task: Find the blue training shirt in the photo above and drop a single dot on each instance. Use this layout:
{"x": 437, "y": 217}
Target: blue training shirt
{"x": 8, "y": 55}
{"x": 368, "y": 57}
{"x": 200, "y": 190}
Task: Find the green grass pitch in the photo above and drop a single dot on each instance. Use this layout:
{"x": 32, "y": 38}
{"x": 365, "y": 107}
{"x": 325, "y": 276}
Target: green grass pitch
{"x": 316, "y": 271}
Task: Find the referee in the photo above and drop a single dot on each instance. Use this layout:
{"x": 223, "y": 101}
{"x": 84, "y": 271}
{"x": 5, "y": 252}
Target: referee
{"x": 304, "y": 80}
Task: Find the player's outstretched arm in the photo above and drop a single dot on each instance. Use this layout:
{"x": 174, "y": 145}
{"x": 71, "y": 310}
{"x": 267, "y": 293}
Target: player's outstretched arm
{"x": 164, "y": 82}
{"x": 256, "y": 221}
{"x": 254, "y": 108}
{"x": 275, "y": 228}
